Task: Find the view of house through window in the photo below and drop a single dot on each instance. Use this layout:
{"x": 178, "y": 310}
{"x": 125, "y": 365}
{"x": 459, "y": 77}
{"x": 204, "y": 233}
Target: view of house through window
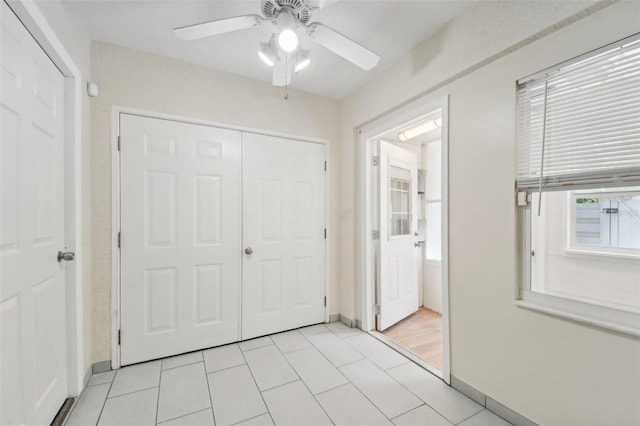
{"x": 608, "y": 219}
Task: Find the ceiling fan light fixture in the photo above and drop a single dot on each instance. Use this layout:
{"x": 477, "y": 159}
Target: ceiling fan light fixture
{"x": 268, "y": 52}
{"x": 302, "y": 60}
{"x": 265, "y": 58}
{"x": 288, "y": 40}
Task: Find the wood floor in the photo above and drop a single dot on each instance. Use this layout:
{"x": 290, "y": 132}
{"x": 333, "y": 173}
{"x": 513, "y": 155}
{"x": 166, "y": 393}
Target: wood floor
{"x": 420, "y": 333}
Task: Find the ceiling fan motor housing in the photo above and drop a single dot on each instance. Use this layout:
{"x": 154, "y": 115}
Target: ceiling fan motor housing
{"x": 300, "y": 9}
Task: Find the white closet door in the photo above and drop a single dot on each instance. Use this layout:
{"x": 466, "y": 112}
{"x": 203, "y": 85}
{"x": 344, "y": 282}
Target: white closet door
{"x": 283, "y": 230}
{"x": 181, "y": 234}
{"x": 33, "y": 372}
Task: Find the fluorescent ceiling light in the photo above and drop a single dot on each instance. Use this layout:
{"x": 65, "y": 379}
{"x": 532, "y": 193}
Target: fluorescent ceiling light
{"x": 420, "y": 128}
{"x": 288, "y": 40}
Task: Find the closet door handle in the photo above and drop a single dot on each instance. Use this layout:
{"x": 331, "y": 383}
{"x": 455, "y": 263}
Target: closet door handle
{"x": 248, "y": 250}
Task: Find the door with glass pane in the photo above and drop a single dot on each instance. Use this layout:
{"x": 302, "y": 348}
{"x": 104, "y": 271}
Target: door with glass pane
{"x": 397, "y": 287}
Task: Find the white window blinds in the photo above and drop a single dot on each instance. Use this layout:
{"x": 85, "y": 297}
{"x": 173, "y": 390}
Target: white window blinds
{"x": 579, "y": 122}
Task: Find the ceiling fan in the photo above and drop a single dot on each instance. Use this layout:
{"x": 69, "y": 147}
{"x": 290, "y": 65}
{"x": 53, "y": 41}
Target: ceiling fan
{"x": 283, "y": 52}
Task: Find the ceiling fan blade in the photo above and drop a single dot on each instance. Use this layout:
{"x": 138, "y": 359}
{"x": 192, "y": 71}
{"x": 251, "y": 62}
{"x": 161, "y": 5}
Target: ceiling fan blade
{"x": 221, "y": 26}
{"x": 282, "y": 73}
{"x": 321, "y": 4}
{"x": 343, "y": 46}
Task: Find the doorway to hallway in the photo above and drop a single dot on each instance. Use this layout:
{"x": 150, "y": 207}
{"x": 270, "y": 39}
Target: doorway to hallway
{"x": 405, "y": 288}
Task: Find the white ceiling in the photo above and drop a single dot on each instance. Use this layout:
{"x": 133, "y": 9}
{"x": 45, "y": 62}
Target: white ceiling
{"x": 390, "y": 28}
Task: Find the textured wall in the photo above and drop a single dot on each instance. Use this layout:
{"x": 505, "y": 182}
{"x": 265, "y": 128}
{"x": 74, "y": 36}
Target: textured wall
{"x": 134, "y": 79}
{"x": 552, "y": 370}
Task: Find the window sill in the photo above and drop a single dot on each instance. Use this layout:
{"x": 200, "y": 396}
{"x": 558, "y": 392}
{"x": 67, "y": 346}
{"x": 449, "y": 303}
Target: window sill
{"x": 595, "y": 253}
{"x": 600, "y": 316}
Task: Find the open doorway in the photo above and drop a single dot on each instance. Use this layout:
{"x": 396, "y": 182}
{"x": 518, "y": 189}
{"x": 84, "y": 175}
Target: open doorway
{"x": 405, "y": 300}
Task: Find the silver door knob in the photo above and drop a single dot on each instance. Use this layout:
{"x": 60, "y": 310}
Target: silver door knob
{"x": 418, "y": 243}
{"x": 67, "y": 255}
{"x": 248, "y": 250}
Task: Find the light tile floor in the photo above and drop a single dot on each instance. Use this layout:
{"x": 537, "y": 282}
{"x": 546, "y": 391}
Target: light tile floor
{"x": 319, "y": 375}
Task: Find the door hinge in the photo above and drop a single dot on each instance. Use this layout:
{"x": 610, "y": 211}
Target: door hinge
{"x": 375, "y": 160}
{"x": 118, "y": 143}
{"x": 325, "y": 233}
{"x": 325, "y": 301}
{"x": 119, "y": 337}
{"x": 119, "y": 240}
{"x": 376, "y": 309}
{"x": 375, "y": 235}
{"x": 325, "y": 166}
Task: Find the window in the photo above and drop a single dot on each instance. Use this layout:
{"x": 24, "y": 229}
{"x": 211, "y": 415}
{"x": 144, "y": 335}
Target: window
{"x": 606, "y": 221}
{"x": 400, "y": 201}
{"x": 433, "y": 202}
{"x": 578, "y": 180}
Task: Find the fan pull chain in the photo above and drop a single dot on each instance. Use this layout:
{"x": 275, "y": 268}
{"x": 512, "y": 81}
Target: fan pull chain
{"x": 286, "y": 77}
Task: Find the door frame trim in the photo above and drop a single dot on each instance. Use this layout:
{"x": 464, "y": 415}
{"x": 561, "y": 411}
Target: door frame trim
{"x": 115, "y": 203}
{"x": 35, "y": 22}
{"x": 416, "y": 109}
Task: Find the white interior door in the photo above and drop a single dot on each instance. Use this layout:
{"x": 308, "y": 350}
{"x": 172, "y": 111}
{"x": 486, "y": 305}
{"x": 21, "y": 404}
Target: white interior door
{"x": 32, "y": 291}
{"x": 284, "y": 234}
{"x": 181, "y": 235}
{"x": 397, "y": 287}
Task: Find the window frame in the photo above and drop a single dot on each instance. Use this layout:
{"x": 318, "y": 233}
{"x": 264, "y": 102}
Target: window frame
{"x": 531, "y": 184}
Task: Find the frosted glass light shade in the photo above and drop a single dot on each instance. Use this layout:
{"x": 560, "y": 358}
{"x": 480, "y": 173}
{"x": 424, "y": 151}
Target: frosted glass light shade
{"x": 288, "y": 40}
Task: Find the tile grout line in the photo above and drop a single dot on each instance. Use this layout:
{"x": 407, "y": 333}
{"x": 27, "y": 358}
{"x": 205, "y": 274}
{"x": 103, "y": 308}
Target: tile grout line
{"x": 106, "y": 397}
{"x": 414, "y": 394}
{"x": 281, "y": 385}
{"x": 298, "y": 349}
{"x": 334, "y": 388}
{"x": 250, "y": 418}
{"x": 348, "y": 379}
{"x": 98, "y": 384}
{"x": 206, "y": 375}
{"x": 257, "y": 347}
{"x": 210, "y": 407}
{"x": 223, "y": 369}
{"x": 368, "y": 399}
{"x": 393, "y": 378}
{"x": 327, "y": 359}
{"x": 257, "y": 387}
{"x": 184, "y": 415}
{"x": 158, "y": 398}
{"x": 132, "y": 392}
{"x": 474, "y": 414}
{"x": 415, "y": 408}
{"x": 183, "y": 365}
{"x": 336, "y": 366}
{"x": 305, "y": 385}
